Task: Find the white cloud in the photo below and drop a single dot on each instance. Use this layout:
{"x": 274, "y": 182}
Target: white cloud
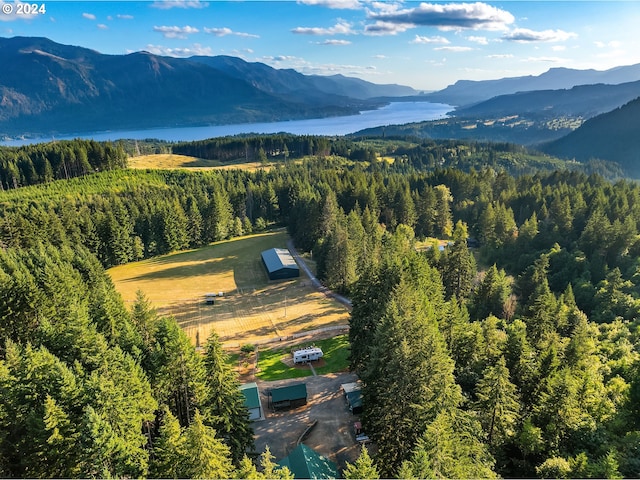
{"x": 175, "y": 32}
{"x": 167, "y": 4}
{"x": 340, "y": 28}
{"x": 381, "y": 57}
{"x": 279, "y": 59}
{"x": 125, "y": 17}
{"x": 545, "y": 59}
{"x": 386, "y": 28}
{"x": 447, "y": 16}
{"x": 196, "y": 49}
{"x": 611, "y": 44}
{"x": 335, "y": 4}
{"x": 478, "y": 40}
{"x": 453, "y": 49}
{"x": 224, "y": 31}
{"x": 102, "y": 26}
{"x": 333, "y": 69}
{"x": 334, "y": 42}
{"x": 524, "y": 35}
{"x": 246, "y": 35}
{"x": 308, "y": 68}
{"x": 219, "y": 32}
{"x": 501, "y": 55}
{"x": 386, "y": 6}
{"x": 559, "y": 48}
{"x": 89, "y": 16}
{"x": 430, "y": 40}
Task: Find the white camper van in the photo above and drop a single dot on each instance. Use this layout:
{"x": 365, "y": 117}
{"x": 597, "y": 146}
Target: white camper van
{"x": 307, "y": 354}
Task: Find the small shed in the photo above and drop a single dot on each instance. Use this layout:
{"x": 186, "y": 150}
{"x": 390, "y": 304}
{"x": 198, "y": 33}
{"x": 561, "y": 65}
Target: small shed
{"x": 279, "y": 264}
{"x": 353, "y": 396}
{"x": 305, "y": 462}
{"x": 291, "y": 396}
{"x": 308, "y": 354}
{"x": 252, "y": 400}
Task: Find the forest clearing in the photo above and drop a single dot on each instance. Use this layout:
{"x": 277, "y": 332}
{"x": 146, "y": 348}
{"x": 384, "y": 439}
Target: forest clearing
{"x": 170, "y": 161}
{"x": 251, "y": 308}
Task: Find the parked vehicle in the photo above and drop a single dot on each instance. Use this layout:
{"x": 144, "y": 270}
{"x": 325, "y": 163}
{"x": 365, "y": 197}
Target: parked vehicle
{"x": 308, "y": 354}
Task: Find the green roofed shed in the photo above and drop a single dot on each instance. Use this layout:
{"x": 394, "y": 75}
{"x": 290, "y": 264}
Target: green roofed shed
{"x": 354, "y": 399}
{"x": 252, "y": 400}
{"x": 280, "y": 264}
{"x": 304, "y": 462}
{"x": 289, "y": 396}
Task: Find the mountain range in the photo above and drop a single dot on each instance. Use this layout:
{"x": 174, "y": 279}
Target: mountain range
{"x": 53, "y": 88}
{"x": 468, "y": 92}
{"x": 583, "y": 101}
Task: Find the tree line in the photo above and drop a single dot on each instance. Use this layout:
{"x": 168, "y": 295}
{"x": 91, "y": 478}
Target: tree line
{"x": 45, "y": 162}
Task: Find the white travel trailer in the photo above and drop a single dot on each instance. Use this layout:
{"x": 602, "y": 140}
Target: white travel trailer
{"x": 307, "y": 354}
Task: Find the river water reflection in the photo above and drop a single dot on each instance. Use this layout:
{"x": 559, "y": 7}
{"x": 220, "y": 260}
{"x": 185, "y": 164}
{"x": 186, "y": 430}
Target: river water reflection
{"x": 395, "y": 113}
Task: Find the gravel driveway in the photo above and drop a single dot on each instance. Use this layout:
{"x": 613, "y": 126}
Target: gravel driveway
{"x": 332, "y": 436}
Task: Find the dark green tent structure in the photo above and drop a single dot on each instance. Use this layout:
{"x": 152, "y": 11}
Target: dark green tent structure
{"x": 306, "y": 463}
{"x": 280, "y": 264}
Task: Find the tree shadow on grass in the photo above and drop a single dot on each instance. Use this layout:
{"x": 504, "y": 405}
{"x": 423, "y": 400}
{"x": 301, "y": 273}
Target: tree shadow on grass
{"x": 209, "y": 266}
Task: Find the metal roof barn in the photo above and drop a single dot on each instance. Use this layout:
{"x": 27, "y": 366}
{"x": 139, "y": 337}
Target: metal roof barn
{"x": 290, "y": 396}
{"x": 307, "y": 463}
{"x": 280, "y": 264}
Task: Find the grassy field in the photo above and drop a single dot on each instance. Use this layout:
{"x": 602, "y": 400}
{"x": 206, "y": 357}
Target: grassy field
{"x": 276, "y": 364}
{"x": 170, "y": 161}
{"x": 252, "y": 308}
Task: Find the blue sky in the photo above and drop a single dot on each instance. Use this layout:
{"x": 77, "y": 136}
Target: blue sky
{"x": 427, "y": 45}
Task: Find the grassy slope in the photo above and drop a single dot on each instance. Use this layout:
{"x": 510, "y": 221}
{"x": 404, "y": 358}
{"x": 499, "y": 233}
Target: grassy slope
{"x": 252, "y": 308}
{"x": 170, "y": 161}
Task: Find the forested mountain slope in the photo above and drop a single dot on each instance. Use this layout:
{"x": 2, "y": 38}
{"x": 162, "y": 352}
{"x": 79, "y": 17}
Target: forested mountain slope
{"x": 289, "y": 81}
{"x": 53, "y": 88}
{"x": 611, "y": 136}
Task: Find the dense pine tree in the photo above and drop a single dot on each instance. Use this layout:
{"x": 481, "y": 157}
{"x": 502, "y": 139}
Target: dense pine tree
{"x": 224, "y": 406}
{"x": 409, "y": 377}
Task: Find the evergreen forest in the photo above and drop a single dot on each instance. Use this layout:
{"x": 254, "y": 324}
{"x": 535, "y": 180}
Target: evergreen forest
{"x": 514, "y": 351}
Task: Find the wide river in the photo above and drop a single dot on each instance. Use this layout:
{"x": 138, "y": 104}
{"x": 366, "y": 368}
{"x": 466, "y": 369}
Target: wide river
{"x": 395, "y": 113}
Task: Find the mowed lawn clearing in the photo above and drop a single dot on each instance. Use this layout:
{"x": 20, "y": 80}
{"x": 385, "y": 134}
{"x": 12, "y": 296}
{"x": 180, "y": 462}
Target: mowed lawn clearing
{"x": 171, "y": 161}
{"x": 277, "y": 363}
{"x": 252, "y": 308}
